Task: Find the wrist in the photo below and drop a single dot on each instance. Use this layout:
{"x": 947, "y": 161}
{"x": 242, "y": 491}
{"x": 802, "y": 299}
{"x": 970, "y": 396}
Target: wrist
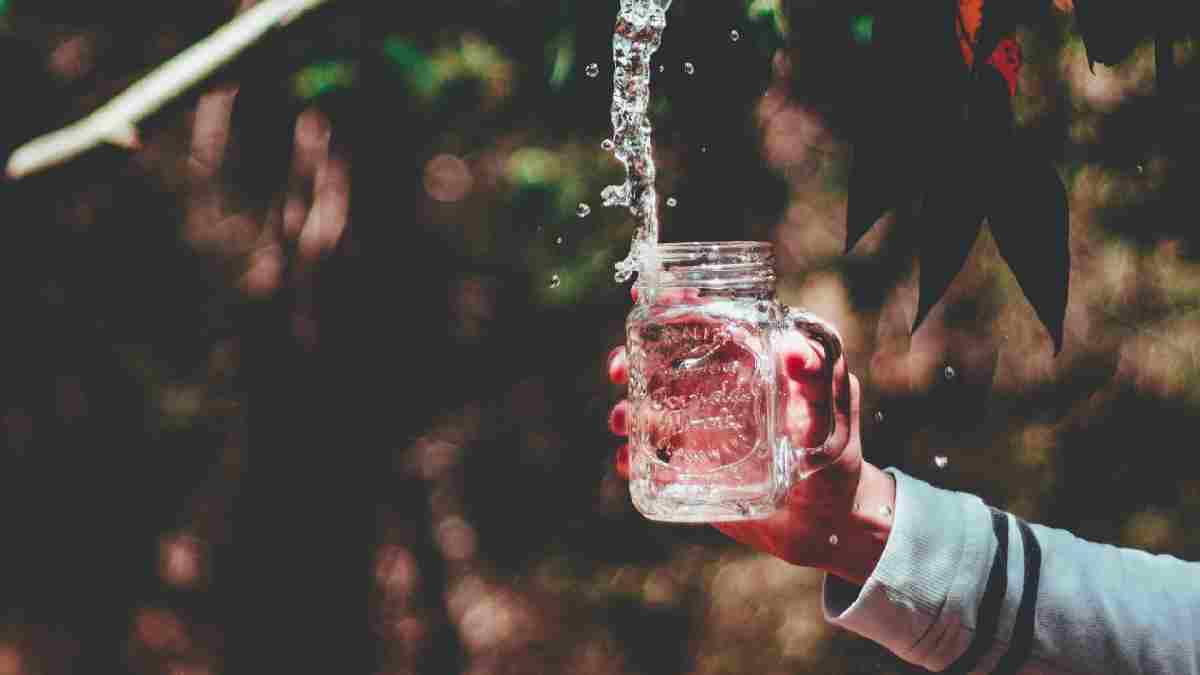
{"x": 865, "y": 530}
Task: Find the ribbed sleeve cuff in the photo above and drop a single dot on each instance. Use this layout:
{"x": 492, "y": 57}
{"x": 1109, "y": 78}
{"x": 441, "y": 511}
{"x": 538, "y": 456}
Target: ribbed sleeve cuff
{"x": 921, "y": 599}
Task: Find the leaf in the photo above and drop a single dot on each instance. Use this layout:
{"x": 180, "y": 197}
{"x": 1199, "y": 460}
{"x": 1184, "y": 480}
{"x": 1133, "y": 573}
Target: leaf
{"x": 966, "y": 178}
{"x": 898, "y": 131}
{"x": 324, "y": 76}
{"x": 970, "y": 20}
{"x": 877, "y": 184}
{"x": 1112, "y": 29}
{"x": 1007, "y": 60}
{"x": 950, "y": 224}
{"x": 1000, "y": 20}
{"x": 415, "y": 63}
{"x": 561, "y": 54}
{"x": 1030, "y": 222}
{"x": 862, "y": 29}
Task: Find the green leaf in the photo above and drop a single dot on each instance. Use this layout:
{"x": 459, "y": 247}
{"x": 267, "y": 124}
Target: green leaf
{"x": 768, "y": 10}
{"x": 532, "y": 166}
{"x": 862, "y": 28}
{"x": 319, "y": 78}
{"x": 414, "y": 62}
{"x": 562, "y": 55}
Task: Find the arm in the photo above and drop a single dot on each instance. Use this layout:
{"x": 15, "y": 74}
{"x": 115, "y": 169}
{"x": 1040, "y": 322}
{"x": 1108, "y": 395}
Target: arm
{"x": 964, "y": 588}
{"x": 949, "y": 584}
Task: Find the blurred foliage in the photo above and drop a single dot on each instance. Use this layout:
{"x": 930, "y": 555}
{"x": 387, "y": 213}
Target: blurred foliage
{"x": 198, "y": 480}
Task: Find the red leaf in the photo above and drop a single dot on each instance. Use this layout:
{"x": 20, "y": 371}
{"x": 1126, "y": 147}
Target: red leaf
{"x": 1007, "y": 59}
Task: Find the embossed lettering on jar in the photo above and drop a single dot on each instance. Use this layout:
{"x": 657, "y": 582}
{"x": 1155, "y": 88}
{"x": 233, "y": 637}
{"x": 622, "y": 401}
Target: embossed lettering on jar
{"x": 705, "y": 391}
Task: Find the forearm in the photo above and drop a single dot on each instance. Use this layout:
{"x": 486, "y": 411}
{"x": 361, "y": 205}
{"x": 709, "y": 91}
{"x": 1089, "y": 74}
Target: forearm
{"x": 963, "y": 587}
{"x": 864, "y": 534}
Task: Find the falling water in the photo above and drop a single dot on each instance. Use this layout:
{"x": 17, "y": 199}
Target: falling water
{"x": 638, "y": 34}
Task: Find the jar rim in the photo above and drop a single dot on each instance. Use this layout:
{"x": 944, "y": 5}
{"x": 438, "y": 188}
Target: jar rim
{"x": 689, "y": 246}
{"x": 716, "y": 264}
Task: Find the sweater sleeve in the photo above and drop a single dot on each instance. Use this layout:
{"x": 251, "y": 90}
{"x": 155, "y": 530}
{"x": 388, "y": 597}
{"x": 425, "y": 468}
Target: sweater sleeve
{"x": 964, "y": 588}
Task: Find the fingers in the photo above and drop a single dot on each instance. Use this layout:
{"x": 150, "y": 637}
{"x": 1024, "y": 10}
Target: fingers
{"x": 621, "y": 461}
{"x": 845, "y": 402}
{"x": 618, "y": 419}
{"x": 618, "y": 366}
{"x": 804, "y": 364}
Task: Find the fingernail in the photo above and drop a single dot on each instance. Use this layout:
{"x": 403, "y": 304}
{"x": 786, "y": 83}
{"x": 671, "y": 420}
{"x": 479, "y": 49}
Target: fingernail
{"x": 621, "y": 461}
{"x": 796, "y": 365}
{"x": 618, "y": 370}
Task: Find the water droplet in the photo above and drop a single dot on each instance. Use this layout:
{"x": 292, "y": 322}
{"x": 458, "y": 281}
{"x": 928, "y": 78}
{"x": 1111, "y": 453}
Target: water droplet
{"x": 689, "y": 68}
{"x": 949, "y": 373}
{"x": 734, "y": 35}
{"x": 559, "y": 241}
{"x": 879, "y": 417}
{"x": 1141, "y": 168}
{"x": 885, "y": 511}
{"x": 704, "y": 148}
{"x": 661, "y": 68}
{"x": 555, "y": 281}
{"x": 593, "y": 69}
{"x": 833, "y": 540}
{"x": 607, "y": 145}
{"x": 941, "y": 461}
{"x": 672, "y": 202}
{"x": 583, "y": 210}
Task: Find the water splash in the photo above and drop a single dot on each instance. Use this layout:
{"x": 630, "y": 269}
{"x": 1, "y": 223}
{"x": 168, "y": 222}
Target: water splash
{"x": 638, "y": 34}
{"x": 941, "y": 461}
{"x": 593, "y": 69}
{"x": 689, "y": 68}
{"x": 583, "y": 210}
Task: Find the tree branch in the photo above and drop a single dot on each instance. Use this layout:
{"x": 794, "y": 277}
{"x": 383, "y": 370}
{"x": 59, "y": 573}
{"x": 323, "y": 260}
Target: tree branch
{"x": 116, "y": 121}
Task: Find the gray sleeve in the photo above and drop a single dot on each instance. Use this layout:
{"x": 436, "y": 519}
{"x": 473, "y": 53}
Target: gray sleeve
{"x": 964, "y": 588}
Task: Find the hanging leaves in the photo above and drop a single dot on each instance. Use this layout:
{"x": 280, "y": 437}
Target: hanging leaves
{"x": 952, "y": 148}
{"x": 1112, "y": 29}
{"x": 970, "y": 19}
{"x": 1031, "y": 232}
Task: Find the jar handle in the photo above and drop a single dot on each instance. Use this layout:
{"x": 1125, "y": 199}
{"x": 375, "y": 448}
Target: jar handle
{"x": 836, "y": 376}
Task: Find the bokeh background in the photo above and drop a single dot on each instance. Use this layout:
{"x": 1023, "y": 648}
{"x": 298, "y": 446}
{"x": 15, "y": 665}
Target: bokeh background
{"x": 313, "y": 380}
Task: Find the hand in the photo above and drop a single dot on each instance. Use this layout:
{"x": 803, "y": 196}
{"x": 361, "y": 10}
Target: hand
{"x": 310, "y": 207}
{"x": 849, "y": 499}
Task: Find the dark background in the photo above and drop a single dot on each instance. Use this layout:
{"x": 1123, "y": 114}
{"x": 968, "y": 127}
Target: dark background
{"x": 396, "y": 460}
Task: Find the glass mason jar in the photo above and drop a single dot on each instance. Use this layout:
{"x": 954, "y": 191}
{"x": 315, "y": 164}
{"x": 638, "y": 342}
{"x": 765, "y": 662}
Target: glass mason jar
{"x": 708, "y": 438}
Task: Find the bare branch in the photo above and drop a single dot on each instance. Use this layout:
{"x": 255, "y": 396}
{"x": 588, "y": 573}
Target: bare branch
{"x": 116, "y": 121}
